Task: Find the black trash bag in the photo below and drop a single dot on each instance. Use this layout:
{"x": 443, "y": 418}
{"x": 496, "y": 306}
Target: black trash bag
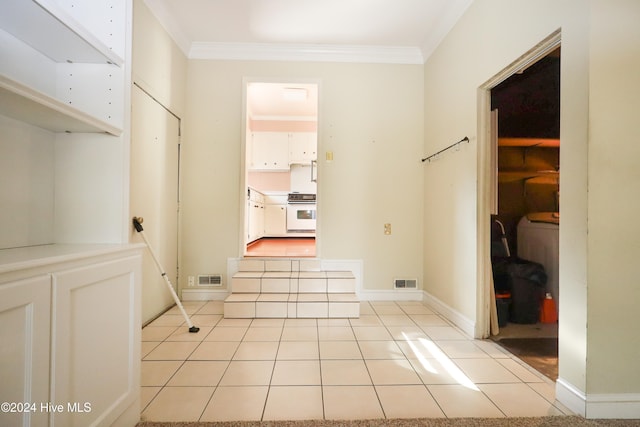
{"x": 501, "y": 276}
{"x": 528, "y": 280}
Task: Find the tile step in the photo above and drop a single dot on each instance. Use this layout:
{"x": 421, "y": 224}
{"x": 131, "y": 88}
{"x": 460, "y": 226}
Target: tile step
{"x": 293, "y": 282}
{"x": 292, "y": 305}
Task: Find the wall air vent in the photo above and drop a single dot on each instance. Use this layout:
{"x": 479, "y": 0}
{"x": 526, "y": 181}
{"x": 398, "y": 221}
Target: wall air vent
{"x": 405, "y": 283}
{"x": 210, "y": 280}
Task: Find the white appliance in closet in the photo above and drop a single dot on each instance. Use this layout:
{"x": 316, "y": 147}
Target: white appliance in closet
{"x": 538, "y": 240}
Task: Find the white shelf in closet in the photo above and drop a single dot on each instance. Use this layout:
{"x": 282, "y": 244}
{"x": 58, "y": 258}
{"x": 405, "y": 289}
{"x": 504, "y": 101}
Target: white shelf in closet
{"x": 39, "y": 109}
{"x": 59, "y": 36}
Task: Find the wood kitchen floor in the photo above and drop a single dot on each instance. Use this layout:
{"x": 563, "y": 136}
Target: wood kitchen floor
{"x": 283, "y": 247}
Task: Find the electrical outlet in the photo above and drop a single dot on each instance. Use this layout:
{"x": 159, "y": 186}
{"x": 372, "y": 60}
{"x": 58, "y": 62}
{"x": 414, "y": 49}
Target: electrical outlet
{"x": 387, "y": 229}
{"x": 192, "y": 281}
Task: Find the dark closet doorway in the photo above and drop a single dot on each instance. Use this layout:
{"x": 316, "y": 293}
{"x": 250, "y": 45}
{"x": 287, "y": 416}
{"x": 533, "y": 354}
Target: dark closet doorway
{"x": 528, "y": 163}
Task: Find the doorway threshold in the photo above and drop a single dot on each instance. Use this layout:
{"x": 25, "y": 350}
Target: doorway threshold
{"x": 534, "y": 344}
{"x": 285, "y": 247}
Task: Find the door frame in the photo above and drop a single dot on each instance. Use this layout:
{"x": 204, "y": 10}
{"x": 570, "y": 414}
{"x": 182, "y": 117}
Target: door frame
{"x": 243, "y": 155}
{"x": 146, "y": 95}
{"x": 485, "y": 190}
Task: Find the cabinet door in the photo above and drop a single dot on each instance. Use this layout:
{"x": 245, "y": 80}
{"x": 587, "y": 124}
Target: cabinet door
{"x": 275, "y": 220}
{"x": 256, "y": 220}
{"x": 24, "y": 350}
{"x": 270, "y": 151}
{"x": 97, "y": 341}
{"x": 303, "y": 147}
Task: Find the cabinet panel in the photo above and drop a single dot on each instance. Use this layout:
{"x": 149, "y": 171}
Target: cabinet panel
{"x": 63, "y": 77}
{"x": 97, "y": 340}
{"x": 24, "y": 352}
{"x": 275, "y": 222}
{"x": 270, "y": 151}
{"x": 303, "y": 147}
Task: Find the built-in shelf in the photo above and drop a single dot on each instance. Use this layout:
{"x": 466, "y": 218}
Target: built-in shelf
{"x": 14, "y": 259}
{"x": 531, "y": 177}
{"x": 528, "y": 142}
{"x": 31, "y": 106}
{"x": 46, "y": 27}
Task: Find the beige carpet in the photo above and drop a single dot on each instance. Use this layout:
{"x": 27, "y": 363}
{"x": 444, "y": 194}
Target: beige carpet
{"x": 430, "y": 422}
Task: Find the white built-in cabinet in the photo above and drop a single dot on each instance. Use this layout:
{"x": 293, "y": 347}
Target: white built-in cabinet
{"x": 267, "y": 215}
{"x": 275, "y": 215}
{"x": 256, "y": 216}
{"x": 25, "y": 322}
{"x": 65, "y": 78}
{"x": 270, "y": 151}
{"x": 70, "y": 336}
{"x": 303, "y": 147}
{"x": 69, "y": 278}
{"x": 276, "y": 151}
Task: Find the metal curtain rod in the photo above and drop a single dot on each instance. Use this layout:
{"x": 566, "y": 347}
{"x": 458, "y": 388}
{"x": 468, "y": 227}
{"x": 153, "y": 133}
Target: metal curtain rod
{"x": 455, "y": 144}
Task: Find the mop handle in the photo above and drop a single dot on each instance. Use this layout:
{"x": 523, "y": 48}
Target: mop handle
{"x": 138, "y": 226}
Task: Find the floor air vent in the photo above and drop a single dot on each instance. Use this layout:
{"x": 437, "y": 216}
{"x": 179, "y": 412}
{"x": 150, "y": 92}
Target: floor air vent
{"x": 405, "y": 283}
{"x": 210, "y": 280}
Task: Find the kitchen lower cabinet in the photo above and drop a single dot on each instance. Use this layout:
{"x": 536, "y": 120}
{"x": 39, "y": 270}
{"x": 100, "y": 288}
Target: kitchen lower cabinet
{"x": 25, "y": 315}
{"x": 256, "y": 220}
{"x": 275, "y": 220}
{"x": 70, "y": 333}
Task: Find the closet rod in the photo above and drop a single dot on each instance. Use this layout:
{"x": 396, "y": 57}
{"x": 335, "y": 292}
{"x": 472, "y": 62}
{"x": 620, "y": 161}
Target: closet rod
{"x": 455, "y": 144}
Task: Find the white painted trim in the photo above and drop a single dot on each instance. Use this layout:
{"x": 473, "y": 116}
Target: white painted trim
{"x": 204, "y": 294}
{"x": 286, "y": 118}
{"x": 306, "y": 53}
{"x": 168, "y": 22}
{"x": 484, "y": 154}
{"x": 598, "y": 406}
{"x": 571, "y": 397}
{"x": 625, "y": 406}
{"x": 465, "y": 324}
{"x": 390, "y": 295}
{"x": 445, "y": 23}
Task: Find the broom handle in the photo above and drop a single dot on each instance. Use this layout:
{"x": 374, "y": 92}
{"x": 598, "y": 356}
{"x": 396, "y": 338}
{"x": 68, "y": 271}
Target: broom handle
{"x": 164, "y": 275}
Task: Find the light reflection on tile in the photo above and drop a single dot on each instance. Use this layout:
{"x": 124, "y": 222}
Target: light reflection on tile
{"x": 398, "y": 360}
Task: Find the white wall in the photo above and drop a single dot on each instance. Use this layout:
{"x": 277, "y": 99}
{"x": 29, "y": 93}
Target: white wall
{"x": 27, "y": 190}
{"x": 159, "y": 68}
{"x": 370, "y": 117}
{"x": 599, "y": 93}
{"x": 613, "y": 206}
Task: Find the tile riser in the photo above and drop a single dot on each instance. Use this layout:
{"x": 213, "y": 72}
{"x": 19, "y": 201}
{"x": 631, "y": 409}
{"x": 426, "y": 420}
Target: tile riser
{"x": 291, "y": 289}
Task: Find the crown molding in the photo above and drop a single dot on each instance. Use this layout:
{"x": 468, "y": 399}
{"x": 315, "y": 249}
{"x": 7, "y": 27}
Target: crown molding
{"x": 168, "y": 22}
{"x": 306, "y": 53}
{"x": 455, "y": 10}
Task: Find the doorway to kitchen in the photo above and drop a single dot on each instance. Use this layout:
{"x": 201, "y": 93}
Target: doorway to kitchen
{"x": 519, "y": 219}
{"x": 280, "y": 186}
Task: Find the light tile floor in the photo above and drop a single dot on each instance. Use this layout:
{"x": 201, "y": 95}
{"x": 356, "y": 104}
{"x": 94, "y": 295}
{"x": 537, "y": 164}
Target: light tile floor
{"x": 398, "y": 360}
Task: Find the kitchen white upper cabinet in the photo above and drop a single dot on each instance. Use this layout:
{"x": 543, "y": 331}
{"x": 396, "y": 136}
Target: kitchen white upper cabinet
{"x": 270, "y": 151}
{"x": 303, "y": 147}
{"x": 25, "y": 307}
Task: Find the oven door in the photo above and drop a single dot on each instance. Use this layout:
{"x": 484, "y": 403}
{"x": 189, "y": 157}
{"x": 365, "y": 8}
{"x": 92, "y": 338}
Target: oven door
{"x": 301, "y": 217}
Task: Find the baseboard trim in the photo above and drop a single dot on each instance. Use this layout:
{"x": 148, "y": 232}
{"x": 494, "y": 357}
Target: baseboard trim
{"x": 598, "y": 406}
{"x": 465, "y": 324}
{"x": 390, "y": 295}
{"x": 571, "y": 397}
{"x": 204, "y": 294}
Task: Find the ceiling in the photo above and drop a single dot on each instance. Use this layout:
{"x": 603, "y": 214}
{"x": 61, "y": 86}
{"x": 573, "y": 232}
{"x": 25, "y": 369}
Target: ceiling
{"x": 398, "y": 31}
{"x": 278, "y": 101}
